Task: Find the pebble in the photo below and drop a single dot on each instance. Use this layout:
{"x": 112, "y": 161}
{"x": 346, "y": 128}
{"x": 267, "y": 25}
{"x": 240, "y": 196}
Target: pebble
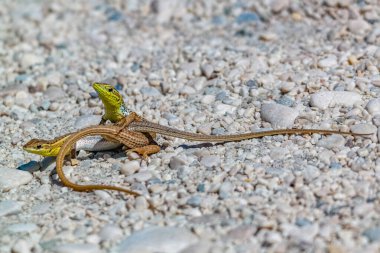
{"x": 363, "y": 129}
{"x": 150, "y": 92}
{"x": 373, "y": 106}
{"x": 8, "y": 207}
{"x": 325, "y": 99}
{"x": 328, "y": 62}
{"x": 310, "y": 173}
{"x": 87, "y": 120}
{"x": 77, "y": 248}
{"x": 207, "y": 70}
{"x": 130, "y": 167}
{"x": 157, "y": 239}
{"x": 21, "y": 246}
{"x": 247, "y": 17}
{"x": 332, "y": 141}
{"x": 23, "y": 99}
{"x": 141, "y": 176}
{"x": 279, "y": 116}
{"x": 373, "y": 234}
{"x": 177, "y": 162}
{"x": 30, "y": 59}
{"x": 110, "y": 232}
{"x": 22, "y": 228}
{"x": 210, "y": 161}
{"x": 223, "y": 109}
{"x": 12, "y": 178}
{"x": 54, "y": 93}
{"x": 226, "y": 189}
{"x": 358, "y": 26}
{"x": 279, "y": 5}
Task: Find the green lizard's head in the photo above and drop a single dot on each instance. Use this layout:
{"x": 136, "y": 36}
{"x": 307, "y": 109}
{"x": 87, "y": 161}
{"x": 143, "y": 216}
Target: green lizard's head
{"x": 41, "y": 147}
{"x": 112, "y": 100}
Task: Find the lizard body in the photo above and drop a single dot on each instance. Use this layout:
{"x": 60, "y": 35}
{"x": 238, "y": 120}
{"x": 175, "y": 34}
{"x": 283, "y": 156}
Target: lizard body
{"x": 115, "y": 110}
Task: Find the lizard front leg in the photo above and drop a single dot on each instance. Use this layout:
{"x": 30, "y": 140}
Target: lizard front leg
{"x": 128, "y": 120}
{"x": 145, "y": 151}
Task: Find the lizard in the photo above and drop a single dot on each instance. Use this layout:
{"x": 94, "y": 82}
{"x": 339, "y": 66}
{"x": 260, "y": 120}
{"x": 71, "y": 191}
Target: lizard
{"x": 115, "y": 110}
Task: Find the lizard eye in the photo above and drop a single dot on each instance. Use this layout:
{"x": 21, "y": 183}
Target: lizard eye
{"x": 39, "y": 146}
{"x": 110, "y": 89}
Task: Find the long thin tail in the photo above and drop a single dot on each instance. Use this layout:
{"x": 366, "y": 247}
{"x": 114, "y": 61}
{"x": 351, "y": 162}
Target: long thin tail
{"x": 146, "y": 126}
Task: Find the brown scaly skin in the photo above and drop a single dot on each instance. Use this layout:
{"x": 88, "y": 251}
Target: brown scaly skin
{"x": 138, "y": 142}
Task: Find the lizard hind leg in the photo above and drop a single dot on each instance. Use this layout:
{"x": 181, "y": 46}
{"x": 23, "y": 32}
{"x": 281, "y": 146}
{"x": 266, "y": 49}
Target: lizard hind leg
{"x": 145, "y": 151}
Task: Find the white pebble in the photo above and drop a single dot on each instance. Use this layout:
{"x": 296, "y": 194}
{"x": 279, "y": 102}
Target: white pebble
{"x": 332, "y": 141}
{"x": 77, "y": 248}
{"x": 278, "y": 115}
{"x": 10, "y": 207}
{"x": 157, "y": 239}
{"x": 130, "y": 167}
{"x": 324, "y": 99}
{"x": 12, "y": 178}
{"x": 328, "y": 62}
{"x": 363, "y": 129}
{"x": 373, "y": 106}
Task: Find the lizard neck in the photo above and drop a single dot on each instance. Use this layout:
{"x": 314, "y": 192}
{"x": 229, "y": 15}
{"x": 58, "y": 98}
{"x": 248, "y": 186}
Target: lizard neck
{"x": 114, "y": 114}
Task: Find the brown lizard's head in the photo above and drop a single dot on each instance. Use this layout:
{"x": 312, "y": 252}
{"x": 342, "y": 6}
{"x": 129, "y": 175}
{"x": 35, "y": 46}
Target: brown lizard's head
{"x": 41, "y": 147}
{"x": 112, "y": 100}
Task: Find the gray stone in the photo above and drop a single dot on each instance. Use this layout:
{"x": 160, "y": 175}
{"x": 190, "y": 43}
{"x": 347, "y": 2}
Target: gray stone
{"x": 359, "y": 26}
{"x": 363, "y": 129}
{"x": 373, "y": 234}
{"x": 278, "y": 115}
{"x": 328, "y": 62}
{"x": 332, "y": 141}
{"x": 210, "y": 161}
{"x": 373, "y": 106}
{"x": 8, "y": 207}
{"x": 22, "y": 228}
{"x": 30, "y": 59}
{"x": 77, "y": 248}
{"x": 324, "y": 99}
{"x": 226, "y": 189}
{"x": 157, "y": 239}
{"x": 110, "y": 232}
{"x": 12, "y": 178}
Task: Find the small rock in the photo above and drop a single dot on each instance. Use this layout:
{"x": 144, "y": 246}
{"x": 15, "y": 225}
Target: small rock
{"x": 194, "y": 201}
{"x": 359, "y": 26}
{"x": 210, "y": 161}
{"x": 373, "y": 106}
{"x": 247, "y": 17}
{"x": 278, "y": 115}
{"x": 23, "y": 99}
{"x": 139, "y": 177}
{"x": 110, "y": 232}
{"x": 268, "y": 36}
{"x": 87, "y": 120}
{"x": 176, "y": 162}
{"x": 310, "y": 173}
{"x": 77, "y": 248}
{"x": 130, "y": 167}
{"x": 8, "y": 207}
{"x": 328, "y": 62}
{"x": 30, "y": 59}
{"x": 226, "y": 189}
{"x": 332, "y": 141}
{"x": 363, "y": 129}
{"x": 165, "y": 10}
{"x": 222, "y": 109}
{"x": 279, "y": 5}
{"x": 21, "y": 246}
{"x": 157, "y": 239}
{"x": 12, "y": 178}
{"x": 54, "y": 93}
{"x": 22, "y": 228}
{"x": 150, "y": 92}
{"x": 373, "y": 234}
{"x": 207, "y": 70}
{"x": 242, "y": 232}
{"x": 324, "y": 99}
{"x": 208, "y": 99}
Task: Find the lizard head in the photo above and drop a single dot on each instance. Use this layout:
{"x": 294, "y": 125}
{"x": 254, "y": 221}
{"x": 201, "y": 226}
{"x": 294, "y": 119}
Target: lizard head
{"x": 112, "y": 100}
{"x": 108, "y": 94}
{"x": 41, "y": 147}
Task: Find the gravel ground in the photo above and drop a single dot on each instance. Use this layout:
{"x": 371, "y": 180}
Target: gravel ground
{"x": 201, "y": 66}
